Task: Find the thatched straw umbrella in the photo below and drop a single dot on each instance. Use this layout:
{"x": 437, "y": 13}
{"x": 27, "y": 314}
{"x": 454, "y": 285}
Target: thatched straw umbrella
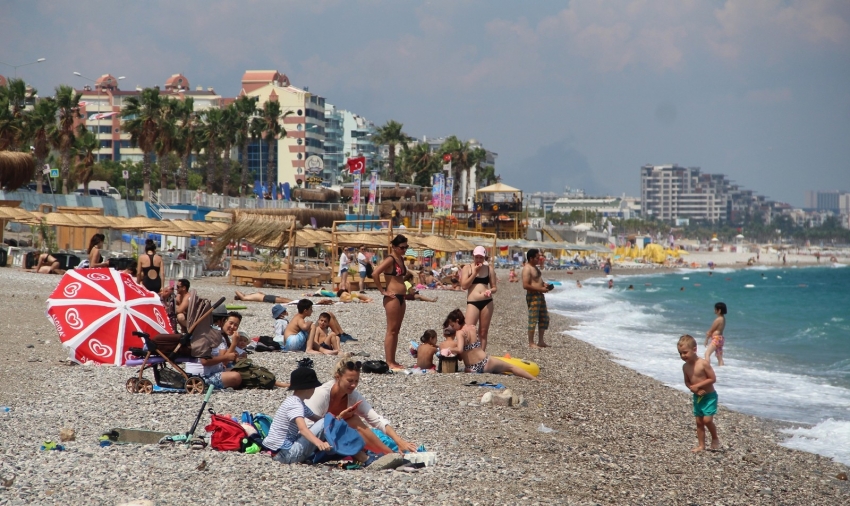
{"x": 16, "y": 169}
{"x": 302, "y": 215}
{"x": 269, "y": 230}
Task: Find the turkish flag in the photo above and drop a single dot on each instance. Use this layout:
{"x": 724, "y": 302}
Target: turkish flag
{"x": 357, "y": 165}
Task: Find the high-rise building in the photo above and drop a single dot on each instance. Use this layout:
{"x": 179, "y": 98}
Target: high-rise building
{"x": 334, "y": 155}
{"x": 671, "y": 192}
{"x": 357, "y": 138}
{"x": 820, "y": 200}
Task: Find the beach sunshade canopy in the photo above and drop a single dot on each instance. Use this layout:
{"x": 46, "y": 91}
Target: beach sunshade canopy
{"x": 438, "y": 243}
{"x": 219, "y": 216}
{"x": 95, "y": 312}
{"x": 14, "y": 214}
{"x": 498, "y": 188}
{"x": 368, "y": 239}
{"x": 65, "y": 220}
{"x": 16, "y": 169}
{"x": 138, "y": 223}
{"x": 267, "y": 230}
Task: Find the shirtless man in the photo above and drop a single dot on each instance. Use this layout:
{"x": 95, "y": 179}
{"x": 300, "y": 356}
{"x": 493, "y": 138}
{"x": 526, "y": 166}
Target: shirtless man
{"x": 532, "y": 282}
{"x": 182, "y": 302}
{"x": 714, "y": 339}
{"x": 261, "y": 297}
{"x": 298, "y": 331}
{"x": 322, "y": 338}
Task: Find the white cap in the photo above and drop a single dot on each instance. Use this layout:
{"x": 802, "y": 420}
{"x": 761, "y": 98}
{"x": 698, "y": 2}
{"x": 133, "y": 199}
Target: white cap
{"x": 479, "y": 251}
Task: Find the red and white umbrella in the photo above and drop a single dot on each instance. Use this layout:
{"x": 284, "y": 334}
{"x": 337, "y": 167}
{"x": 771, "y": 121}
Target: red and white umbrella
{"x": 95, "y": 312}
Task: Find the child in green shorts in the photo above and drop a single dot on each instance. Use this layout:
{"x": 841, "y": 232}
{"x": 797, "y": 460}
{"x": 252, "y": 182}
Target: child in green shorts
{"x": 700, "y": 379}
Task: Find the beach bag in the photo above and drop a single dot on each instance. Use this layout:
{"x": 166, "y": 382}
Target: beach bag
{"x": 254, "y": 376}
{"x": 226, "y": 435}
{"x": 267, "y": 343}
{"x": 344, "y": 440}
{"x": 262, "y": 423}
{"x": 376, "y": 367}
{"x": 368, "y": 270}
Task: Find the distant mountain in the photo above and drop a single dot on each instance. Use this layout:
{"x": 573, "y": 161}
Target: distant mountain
{"x": 553, "y": 168}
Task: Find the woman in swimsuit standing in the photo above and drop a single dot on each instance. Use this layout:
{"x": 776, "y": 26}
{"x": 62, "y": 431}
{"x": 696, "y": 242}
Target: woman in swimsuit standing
{"x": 150, "y": 268}
{"x": 393, "y": 268}
{"x": 479, "y": 281}
{"x": 469, "y": 348}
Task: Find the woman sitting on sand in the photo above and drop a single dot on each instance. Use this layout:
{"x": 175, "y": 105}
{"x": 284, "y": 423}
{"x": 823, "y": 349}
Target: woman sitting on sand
{"x": 341, "y": 393}
{"x": 47, "y": 264}
{"x": 95, "y": 258}
{"x": 469, "y": 348}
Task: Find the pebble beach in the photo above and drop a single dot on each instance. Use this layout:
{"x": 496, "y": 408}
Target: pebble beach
{"x": 617, "y": 437}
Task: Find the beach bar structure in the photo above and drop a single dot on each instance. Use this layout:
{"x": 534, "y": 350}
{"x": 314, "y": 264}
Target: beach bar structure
{"x": 497, "y": 209}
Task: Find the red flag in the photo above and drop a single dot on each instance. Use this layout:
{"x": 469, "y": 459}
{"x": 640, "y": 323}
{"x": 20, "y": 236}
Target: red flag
{"x": 357, "y": 165}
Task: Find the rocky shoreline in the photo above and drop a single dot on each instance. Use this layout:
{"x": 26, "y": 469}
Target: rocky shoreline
{"x": 620, "y": 437}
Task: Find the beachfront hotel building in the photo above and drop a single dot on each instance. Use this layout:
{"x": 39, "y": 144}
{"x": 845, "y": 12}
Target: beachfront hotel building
{"x": 101, "y": 105}
{"x": 678, "y": 194}
{"x": 304, "y": 125}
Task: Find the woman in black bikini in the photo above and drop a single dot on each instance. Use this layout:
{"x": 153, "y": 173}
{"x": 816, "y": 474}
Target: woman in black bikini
{"x": 479, "y": 281}
{"x": 150, "y": 268}
{"x": 393, "y": 268}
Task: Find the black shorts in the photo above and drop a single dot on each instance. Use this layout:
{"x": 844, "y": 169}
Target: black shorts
{"x": 269, "y": 298}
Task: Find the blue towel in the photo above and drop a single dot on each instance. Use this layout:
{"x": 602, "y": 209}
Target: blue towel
{"x": 344, "y": 440}
{"x": 345, "y": 338}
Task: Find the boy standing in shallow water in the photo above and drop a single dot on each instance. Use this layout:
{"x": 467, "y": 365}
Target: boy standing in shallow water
{"x": 700, "y": 379}
{"x": 715, "y": 334}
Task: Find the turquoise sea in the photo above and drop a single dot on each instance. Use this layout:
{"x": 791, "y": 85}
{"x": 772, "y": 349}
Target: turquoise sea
{"x": 787, "y": 350}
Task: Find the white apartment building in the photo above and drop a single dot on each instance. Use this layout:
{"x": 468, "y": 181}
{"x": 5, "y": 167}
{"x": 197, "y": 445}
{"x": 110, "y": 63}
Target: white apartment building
{"x": 671, "y": 192}
{"x": 305, "y": 124}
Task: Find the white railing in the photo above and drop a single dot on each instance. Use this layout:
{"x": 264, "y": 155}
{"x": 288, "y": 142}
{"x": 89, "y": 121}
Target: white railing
{"x": 196, "y": 198}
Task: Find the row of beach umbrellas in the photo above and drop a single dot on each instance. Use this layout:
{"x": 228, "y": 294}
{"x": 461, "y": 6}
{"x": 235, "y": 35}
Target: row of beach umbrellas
{"x": 183, "y": 228}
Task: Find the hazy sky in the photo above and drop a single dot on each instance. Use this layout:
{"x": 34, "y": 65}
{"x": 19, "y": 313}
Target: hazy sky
{"x": 578, "y": 93}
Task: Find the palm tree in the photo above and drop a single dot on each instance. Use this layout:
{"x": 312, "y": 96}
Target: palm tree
{"x": 185, "y": 137}
{"x": 62, "y": 133}
{"x": 271, "y": 116}
{"x": 391, "y": 135}
{"x": 229, "y": 129}
{"x": 85, "y": 145}
{"x": 165, "y": 141}
{"x": 210, "y": 137}
{"x": 39, "y": 121}
{"x": 142, "y": 122}
{"x": 418, "y": 163}
{"x": 463, "y": 159}
{"x": 13, "y": 101}
{"x": 246, "y": 108}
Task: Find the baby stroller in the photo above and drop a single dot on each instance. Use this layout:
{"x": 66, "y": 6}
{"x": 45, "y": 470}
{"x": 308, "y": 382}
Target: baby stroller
{"x": 163, "y": 353}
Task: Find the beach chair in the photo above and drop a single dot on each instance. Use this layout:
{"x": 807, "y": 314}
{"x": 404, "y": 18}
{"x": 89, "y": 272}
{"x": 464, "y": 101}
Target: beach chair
{"x": 164, "y": 353}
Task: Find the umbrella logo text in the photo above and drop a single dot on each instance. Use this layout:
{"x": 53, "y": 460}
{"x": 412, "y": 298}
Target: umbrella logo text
{"x": 133, "y": 286}
{"x": 58, "y": 326}
{"x": 159, "y": 319}
{"x": 96, "y": 276}
{"x": 99, "y": 349}
{"x": 71, "y": 290}
{"x": 72, "y": 318}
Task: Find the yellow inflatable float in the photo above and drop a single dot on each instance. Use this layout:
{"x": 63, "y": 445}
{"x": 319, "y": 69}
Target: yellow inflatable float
{"x": 531, "y": 367}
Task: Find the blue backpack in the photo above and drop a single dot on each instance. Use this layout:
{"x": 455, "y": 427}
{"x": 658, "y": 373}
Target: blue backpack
{"x": 262, "y": 423}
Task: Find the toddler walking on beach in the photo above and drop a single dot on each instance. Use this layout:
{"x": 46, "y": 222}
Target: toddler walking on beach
{"x": 700, "y": 379}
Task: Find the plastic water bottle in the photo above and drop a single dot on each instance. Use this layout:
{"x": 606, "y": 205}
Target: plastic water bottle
{"x": 7, "y": 411}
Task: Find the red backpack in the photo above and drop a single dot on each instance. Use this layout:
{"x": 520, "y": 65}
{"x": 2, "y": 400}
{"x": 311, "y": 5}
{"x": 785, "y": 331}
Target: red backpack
{"x": 226, "y": 434}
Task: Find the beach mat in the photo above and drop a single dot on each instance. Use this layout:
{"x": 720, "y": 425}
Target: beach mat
{"x": 120, "y": 435}
{"x": 235, "y": 307}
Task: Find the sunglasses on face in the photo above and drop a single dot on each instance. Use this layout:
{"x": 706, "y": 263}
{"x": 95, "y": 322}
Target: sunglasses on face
{"x": 353, "y": 366}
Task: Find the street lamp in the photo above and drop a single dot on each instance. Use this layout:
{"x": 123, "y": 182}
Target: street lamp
{"x": 23, "y": 65}
{"x": 97, "y": 133}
